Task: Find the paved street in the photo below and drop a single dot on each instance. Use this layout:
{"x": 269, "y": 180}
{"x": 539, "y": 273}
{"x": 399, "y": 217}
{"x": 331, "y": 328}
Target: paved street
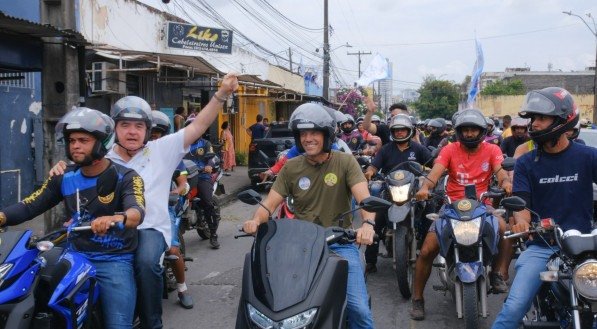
{"x": 215, "y": 277}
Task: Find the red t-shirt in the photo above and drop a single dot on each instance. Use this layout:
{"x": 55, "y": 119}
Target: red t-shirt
{"x": 469, "y": 168}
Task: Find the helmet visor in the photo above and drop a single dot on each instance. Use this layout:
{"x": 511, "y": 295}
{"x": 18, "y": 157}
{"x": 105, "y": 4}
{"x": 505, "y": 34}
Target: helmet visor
{"x": 536, "y": 103}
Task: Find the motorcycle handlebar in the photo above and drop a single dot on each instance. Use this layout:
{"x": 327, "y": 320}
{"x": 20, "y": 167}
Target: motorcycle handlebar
{"x": 114, "y": 225}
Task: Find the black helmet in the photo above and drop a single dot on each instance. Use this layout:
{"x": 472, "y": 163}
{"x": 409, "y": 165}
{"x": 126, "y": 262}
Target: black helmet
{"x": 133, "y": 108}
{"x": 470, "y": 118}
{"x": 555, "y": 102}
{"x": 82, "y": 119}
{"x": 160, "y": 122}
{"x": 312, "y": 116}
{"x": 347, "y": 119}
{"x": 401, "y": 121}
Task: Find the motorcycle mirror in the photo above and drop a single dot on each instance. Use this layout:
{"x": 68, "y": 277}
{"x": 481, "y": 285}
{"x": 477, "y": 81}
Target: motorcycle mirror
{"x": 44, "y": 245}
{"x": 513, "y": 203}
{"x": 106, "y": 182}
{"x": 508, "y": 164}
{"x": 249, "y": 197}
{"x": 375, "y": 204}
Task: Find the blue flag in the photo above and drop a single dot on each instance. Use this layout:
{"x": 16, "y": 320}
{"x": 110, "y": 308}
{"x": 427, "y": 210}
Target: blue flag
{"x": 474, "y": 87}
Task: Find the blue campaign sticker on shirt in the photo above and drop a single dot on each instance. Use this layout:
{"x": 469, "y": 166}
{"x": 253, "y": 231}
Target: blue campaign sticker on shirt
{"x": 304, "y": 183}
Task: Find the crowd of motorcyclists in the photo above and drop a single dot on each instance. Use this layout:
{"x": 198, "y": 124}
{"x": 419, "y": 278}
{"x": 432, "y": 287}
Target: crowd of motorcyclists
{"x": 322, "y": 166}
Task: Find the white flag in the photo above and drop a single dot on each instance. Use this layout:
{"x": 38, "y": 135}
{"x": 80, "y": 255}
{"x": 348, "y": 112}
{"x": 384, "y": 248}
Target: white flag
{"x": 378, "y": 69}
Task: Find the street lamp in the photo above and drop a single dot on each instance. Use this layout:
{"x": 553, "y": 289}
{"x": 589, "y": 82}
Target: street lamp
{"x": 594, "y": 32}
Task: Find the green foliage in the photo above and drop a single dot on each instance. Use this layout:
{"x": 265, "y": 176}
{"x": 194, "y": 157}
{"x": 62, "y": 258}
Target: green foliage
{"x": 501, "y": 87}
{"x": 438, "y": 99}
{"x": 241, "y": 158}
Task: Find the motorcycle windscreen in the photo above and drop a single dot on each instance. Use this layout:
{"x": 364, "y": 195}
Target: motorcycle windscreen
{"x": 286, "y": 257}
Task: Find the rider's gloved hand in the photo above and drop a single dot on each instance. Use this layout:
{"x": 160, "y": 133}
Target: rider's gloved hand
{"x": 250, "y": 226}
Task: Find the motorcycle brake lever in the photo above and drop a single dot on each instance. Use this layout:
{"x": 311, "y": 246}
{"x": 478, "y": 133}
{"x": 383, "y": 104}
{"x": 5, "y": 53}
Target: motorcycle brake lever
{"x": 242, "y": 235}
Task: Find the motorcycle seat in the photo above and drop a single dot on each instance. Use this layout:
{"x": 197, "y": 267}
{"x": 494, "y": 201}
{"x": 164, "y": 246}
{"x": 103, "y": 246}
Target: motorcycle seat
{"x": 55, "y": 268}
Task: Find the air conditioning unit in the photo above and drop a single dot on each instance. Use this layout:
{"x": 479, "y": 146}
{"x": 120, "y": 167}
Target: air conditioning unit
{"x": 103, "y": 80}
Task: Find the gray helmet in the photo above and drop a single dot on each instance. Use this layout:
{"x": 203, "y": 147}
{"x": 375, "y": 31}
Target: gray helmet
{"x": 470, "y": 118}
{"x": 160, "y": 122}
{"x": 83, "y": 119}
{"x": 490, "y": 125}
{"x": 439, "y": 126}
{"x": 312, "y": 116}
{"x": 375, "y": 118}
{"x": 339, "y": 117}
{"x": 360, "y": 119}
{"x": 347, "y": 119}
{"x": 554, "y": 102}
{"x": 401, "y": 121}
{"x": 133, "y": 108}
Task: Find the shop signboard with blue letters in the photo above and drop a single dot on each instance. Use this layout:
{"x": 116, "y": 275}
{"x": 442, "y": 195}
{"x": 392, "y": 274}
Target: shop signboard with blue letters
{"x": 193, "y": 37}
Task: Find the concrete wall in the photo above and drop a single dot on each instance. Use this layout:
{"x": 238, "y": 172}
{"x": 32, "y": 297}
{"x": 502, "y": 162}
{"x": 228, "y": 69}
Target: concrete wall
{"x": 286, "y": 79}
{"x": 502, "y": 105}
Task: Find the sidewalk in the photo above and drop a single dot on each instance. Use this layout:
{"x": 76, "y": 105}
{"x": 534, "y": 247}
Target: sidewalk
{"x": 236, "y": 182}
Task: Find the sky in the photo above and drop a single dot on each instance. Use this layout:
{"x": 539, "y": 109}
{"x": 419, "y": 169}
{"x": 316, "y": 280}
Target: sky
{"x": 419, "y": 37}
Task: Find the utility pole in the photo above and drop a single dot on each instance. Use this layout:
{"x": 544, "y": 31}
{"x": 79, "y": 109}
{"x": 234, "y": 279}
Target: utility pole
{"x": 594, "y": 32}
{"x": 326, "y": 52}
{"x": 290, "y": 57}
{"x": 359, "y": 53}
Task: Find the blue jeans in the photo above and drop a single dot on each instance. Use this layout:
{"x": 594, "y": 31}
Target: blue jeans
{"x": 359, "y": 314}
{"x": 525, "y": 286}
{"x": 175, "y": 224}
{"x": 117, "y": 289}
{"x": 148, "y": 274}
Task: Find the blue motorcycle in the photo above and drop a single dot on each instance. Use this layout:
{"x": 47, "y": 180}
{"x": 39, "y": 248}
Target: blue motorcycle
{"x": 47, "y": 286}
{"x": 468, "y": 237}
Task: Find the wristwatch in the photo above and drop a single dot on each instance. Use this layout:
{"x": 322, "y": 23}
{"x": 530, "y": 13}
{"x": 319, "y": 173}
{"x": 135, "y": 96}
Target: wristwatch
{"x": 123, "y": 214}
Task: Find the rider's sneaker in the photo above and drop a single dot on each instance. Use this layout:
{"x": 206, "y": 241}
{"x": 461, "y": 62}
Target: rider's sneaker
{"x": 498, "y": 284}
{"x": 185, "y": 300}
{"x": 213, "y": 240}
{"x": 370, "y": 268}
{"x": 418, "y": 311}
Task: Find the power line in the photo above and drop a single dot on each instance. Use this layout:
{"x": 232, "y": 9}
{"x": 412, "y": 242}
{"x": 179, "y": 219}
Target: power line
{"x": 273, "y": 9}
{"x": 471, "y": 39}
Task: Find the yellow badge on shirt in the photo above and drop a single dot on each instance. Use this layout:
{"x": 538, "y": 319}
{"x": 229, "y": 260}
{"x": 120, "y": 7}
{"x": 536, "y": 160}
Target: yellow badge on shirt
{"x": 330, "y": 179}
{"x": 106, "y": 199}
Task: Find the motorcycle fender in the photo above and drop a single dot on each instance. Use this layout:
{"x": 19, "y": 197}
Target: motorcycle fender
{"x": 469, "y": 272}
{"x": 397, "y": 214}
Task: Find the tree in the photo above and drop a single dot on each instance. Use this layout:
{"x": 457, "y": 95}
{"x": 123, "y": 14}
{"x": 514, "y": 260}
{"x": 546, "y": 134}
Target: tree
{"x": 502, "y": 87}
{"x": 438, "y": 98}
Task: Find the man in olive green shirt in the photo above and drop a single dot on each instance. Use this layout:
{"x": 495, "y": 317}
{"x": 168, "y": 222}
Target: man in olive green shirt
{"x": 321, "y": 182}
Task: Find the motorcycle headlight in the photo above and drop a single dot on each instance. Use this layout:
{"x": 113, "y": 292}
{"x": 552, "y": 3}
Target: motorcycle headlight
{"x": 585, "y": 279}
{"x": 466, "y": 232}
{"x": 294, "y": 322}
{"x": 399, "y": 193}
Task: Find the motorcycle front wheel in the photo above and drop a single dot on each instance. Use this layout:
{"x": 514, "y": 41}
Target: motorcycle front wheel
{"x": 202, "y": 228}
{"x": 470, "y": 312}
{"x": 404, "y": 269}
